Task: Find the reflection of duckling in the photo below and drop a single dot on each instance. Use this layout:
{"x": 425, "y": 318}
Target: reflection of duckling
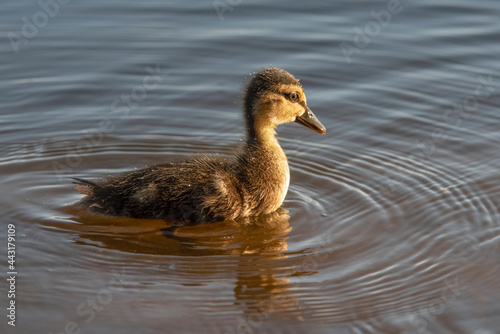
{"x": 264, "y": 235}
{"x": 208, "y": 189}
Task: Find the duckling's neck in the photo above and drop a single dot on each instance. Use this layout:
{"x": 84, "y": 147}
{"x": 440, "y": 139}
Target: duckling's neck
{"x": 263, "y": 138}
{"x": 264, "y": 146}
{"x": 260, "y": 130}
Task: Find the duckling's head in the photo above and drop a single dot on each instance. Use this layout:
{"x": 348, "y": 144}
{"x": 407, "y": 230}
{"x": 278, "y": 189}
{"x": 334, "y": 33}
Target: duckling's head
{"x": 274, "y": 97}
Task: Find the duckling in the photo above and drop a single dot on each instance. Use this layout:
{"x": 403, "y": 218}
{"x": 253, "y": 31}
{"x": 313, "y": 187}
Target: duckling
{"x": 205, "y": 189}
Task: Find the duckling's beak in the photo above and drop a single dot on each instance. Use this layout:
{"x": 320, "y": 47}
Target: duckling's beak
{"x": 309, "y": 119}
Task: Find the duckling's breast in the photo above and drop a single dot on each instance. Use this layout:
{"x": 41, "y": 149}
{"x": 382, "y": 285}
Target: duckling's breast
{"x": 285, "y": 184}
{"x": 267, "y": 178}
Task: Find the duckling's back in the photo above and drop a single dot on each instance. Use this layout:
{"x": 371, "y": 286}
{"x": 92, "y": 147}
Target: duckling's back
{"x": 195, "y": 191}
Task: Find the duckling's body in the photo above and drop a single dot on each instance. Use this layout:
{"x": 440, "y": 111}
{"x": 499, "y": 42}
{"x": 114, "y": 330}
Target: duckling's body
{"x": 252, "y": 182}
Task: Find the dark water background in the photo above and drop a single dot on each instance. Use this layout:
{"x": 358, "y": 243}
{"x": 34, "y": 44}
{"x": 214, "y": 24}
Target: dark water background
{"x": 393, "y": 222}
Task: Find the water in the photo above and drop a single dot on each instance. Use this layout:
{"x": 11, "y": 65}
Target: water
{"x": 391, "y": 223}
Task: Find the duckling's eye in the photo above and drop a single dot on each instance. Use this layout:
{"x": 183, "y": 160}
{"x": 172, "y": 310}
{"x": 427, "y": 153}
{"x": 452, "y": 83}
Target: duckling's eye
{"x": 294, "y": 97}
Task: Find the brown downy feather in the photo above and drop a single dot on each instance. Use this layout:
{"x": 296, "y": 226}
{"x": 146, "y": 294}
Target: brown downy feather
{"x": 83, "y": 186}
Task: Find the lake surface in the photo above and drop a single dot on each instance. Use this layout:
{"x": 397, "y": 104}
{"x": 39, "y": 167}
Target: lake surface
{"x": 392, "y": 220}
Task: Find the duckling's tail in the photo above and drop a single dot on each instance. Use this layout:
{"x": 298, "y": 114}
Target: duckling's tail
{"x": 85, "y": 187}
